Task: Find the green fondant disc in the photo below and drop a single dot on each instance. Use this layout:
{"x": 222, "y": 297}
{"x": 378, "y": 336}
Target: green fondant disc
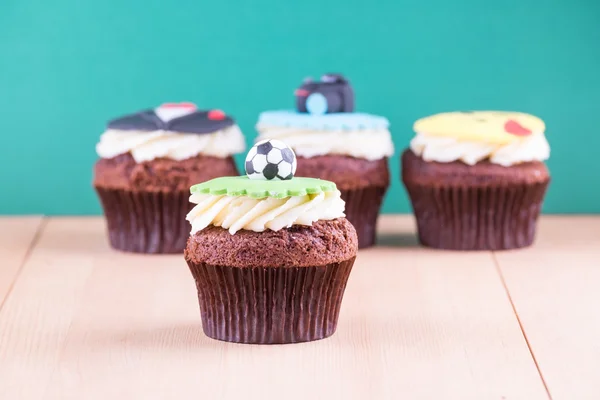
{"x": 258, "y": 189}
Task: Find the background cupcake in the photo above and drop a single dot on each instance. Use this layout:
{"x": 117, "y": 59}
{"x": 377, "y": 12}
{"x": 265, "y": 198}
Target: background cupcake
{"x": 477, "y": 179}
{"x": 334, "y": 143}
{"x": 148, "y": 162}
{"x": 270, "y": 254}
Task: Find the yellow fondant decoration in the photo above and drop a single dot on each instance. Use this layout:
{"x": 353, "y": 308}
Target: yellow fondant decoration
{"x": 494, "y": 127}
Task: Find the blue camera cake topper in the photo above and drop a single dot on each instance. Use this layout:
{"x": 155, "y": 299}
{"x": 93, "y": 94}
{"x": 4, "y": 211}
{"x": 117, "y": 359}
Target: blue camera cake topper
{"x": 324, "y": 105}
{"x": 332, "y": 94}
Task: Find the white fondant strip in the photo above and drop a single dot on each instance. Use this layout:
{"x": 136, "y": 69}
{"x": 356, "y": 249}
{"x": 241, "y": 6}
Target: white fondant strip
{"x": 169, "y": 113}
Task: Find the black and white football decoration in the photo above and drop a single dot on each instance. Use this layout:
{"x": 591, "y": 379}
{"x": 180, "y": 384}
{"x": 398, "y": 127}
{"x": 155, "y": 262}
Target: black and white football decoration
{"x": 271, "y": 160}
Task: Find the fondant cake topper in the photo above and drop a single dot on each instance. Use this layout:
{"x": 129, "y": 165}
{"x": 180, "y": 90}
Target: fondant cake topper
{"x": 176, "y": 117}
{"x": 270, "y": 168}
{"x": 271, "y": 160}
{"x": 491, "y": 127}
{"x": 332, "y": 94}
{"x": 237, "y": 186}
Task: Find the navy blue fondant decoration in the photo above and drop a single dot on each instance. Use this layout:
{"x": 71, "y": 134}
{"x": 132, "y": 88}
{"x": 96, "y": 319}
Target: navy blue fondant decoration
{"x": 332, "y": 94}
{"x": 192, "y": 120}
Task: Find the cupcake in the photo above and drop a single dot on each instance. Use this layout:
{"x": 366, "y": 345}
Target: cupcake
{"x": 335, "y": 143}
{"x": 477, "y": 179}
{"x": 148, "y": 160}
{"x": 270, "y": 253}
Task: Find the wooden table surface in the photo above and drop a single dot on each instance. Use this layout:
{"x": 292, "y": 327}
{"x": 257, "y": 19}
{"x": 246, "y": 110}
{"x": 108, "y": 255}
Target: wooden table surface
{"x": 80, "y": 321}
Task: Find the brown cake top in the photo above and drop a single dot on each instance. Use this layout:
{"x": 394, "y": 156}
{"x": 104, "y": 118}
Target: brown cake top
{"x": 164, "y": 175}
{"x": 348, "y": 173}
{"x": 323, "y": 243}
{"x": 415, "y": 170}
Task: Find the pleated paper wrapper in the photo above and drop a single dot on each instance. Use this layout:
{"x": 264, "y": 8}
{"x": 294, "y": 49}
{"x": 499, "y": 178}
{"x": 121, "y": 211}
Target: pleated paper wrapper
{"x": 146, "y": 222}
{"x": 362, "y": 210}
{"x": 463, "y": 217}
{"x": 273, "y": 305}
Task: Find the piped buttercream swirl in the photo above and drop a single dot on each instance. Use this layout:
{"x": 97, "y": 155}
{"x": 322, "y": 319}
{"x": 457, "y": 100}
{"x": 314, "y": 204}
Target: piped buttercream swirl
{"x": 235, "y": 213}
{"x": 368, "y": 144}
{"x": 147, "y": 146}
{"x": 503, "y": 137}
{"x": 357, "y": 135}
{"x": 447, "y": 149}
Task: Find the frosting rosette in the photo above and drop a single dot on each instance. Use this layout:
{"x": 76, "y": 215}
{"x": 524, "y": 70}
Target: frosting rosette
{"x": 503, "y": 138}
{"x": 236, "y": 203}
{"x": 175, "y": 131}
{"x": 264, "y": 198}
{"x": 351, "y": 134}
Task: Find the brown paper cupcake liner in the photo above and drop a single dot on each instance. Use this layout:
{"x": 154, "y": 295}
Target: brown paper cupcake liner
{"x": 146, "y": 222}
{"x": 362, "y": 210}
{"x": 477, "y": 218}
{"x": 273, "y": 305}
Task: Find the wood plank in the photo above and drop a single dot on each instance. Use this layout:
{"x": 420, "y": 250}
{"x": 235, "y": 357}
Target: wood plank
{"x": 85, "y": 322}
{"x": 554, "y": 288}
{"x": 36, "y": 316}
{"x": 16, "y": 238}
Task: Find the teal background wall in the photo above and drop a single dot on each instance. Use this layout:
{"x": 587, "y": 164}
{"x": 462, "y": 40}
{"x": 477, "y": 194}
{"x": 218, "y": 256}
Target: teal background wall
{"x": 66, "y": 66}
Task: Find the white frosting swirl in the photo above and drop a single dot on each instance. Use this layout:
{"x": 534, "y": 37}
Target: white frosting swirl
{"x": 534, "y": 147}
{"x": 146, "y": 146}
{"x": 242, "y": 212}
{"x": 370, "y": 144}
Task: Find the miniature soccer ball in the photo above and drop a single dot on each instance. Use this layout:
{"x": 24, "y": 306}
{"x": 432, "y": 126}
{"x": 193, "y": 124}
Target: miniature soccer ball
{"x": 271, "y": 160}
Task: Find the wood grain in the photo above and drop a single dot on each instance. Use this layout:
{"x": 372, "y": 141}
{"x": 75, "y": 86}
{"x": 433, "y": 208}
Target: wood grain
{"x": 85, "y": 322}
{"x": 36, "y": 316}
{"x": 555, "y": 290}
{"x": 16, "y": 238}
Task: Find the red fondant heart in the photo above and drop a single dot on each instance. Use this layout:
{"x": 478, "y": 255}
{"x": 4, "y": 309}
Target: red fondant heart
{"x": 216, "y": 115}
{"x": 178, "y": 105}
{"x": 515, "y": 128}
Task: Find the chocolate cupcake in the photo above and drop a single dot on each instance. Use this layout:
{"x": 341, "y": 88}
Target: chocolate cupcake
{"x": 270, "y": 254}
{"x": 477, "y": 179}
{"x": 148, "y": 162}
{"x": 337, "y": 144}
